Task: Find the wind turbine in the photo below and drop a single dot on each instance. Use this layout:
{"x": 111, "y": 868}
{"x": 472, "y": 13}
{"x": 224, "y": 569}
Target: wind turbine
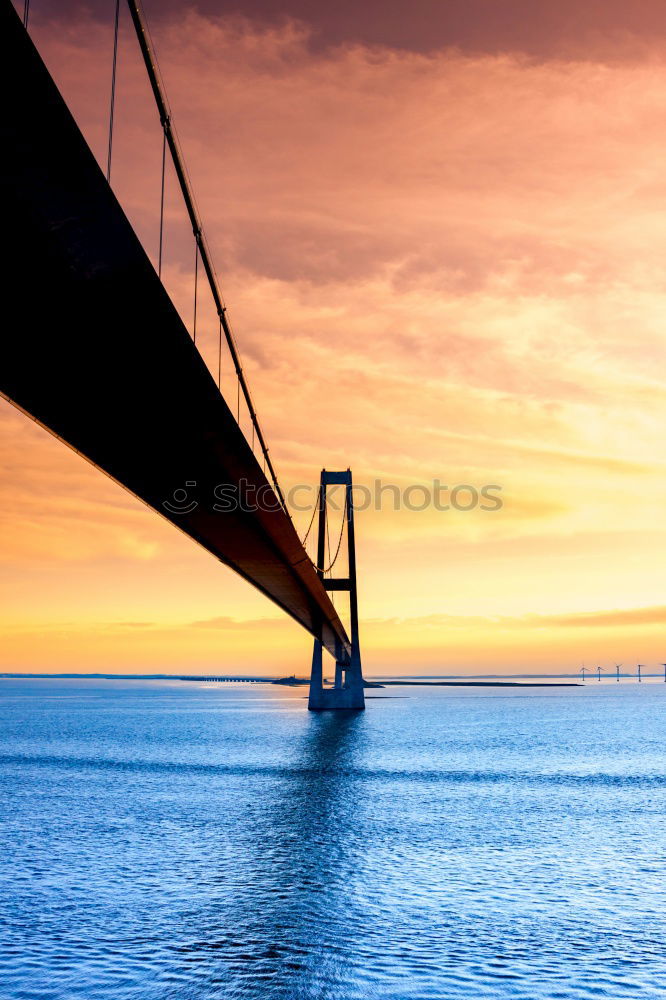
{"x": 664, "y": 666}
{"x": 617, "y": 672}
{"x": 600, "y": 670}
{"x": 639, "y": 672}
{"x": 582, "y": 671}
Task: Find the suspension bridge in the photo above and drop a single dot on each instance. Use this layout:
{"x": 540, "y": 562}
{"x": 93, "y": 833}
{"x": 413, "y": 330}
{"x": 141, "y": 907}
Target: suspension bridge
{"x": 95, "y": 351}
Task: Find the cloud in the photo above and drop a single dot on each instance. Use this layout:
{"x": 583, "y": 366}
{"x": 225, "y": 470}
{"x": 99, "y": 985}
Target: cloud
{"x": 607, "y": 29}
{"x": 227, "y": 623}
{"x": 54, "y": 507}
{"x": 612, "y": 618}
{"x": 440, "y": 262}
{"x": 616, "y": 618}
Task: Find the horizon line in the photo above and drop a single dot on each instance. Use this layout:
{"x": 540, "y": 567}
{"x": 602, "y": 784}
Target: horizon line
{"x": 261, "y": 677}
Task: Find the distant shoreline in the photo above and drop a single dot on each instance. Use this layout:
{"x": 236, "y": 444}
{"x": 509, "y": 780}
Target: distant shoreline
{"x": 417, "y": 680}
{"x": 548, "y": 684}
{"x": 298, "y": 681}
{"x": 284, "y": 681}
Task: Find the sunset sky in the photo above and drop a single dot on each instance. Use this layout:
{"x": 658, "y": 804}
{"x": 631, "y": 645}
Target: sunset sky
{"x": 440, "y": 229}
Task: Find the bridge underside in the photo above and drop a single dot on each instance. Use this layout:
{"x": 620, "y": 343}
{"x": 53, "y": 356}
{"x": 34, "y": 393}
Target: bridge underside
{"x": 94, "y": 350}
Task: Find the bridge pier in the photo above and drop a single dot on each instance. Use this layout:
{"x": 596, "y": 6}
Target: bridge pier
{"x": 346, "y": 693}
{"x": 348, "y": 688}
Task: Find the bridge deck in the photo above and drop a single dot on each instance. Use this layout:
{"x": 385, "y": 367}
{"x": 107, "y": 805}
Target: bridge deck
{"x": 95, "y": 351}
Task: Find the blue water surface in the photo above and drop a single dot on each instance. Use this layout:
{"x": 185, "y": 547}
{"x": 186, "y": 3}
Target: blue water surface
{"x": 170, "y": 841}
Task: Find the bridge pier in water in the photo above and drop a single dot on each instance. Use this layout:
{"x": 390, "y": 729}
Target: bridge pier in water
{"x": 348, "y": 688}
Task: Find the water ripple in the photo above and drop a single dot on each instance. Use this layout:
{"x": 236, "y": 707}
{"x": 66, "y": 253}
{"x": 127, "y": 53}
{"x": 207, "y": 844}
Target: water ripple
{"x": 168, "y": 847}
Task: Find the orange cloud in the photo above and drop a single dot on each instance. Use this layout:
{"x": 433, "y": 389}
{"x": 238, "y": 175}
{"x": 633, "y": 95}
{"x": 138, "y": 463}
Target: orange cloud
{"x": 439, "y": 264}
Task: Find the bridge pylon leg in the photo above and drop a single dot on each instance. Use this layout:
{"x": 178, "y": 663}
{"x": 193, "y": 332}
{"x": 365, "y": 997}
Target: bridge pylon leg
{"x": 348, "y": 691}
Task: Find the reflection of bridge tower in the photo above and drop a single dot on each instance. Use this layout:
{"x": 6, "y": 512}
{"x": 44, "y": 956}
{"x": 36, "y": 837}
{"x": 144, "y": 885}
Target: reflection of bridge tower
{"x": 347, "y": 691}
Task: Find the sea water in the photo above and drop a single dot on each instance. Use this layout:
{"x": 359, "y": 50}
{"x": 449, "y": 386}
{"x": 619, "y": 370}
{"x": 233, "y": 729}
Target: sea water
{"x": 185, "y": 840}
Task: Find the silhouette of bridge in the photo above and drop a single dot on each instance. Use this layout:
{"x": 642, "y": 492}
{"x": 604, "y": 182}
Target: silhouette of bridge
{"x": 94, "y": 350}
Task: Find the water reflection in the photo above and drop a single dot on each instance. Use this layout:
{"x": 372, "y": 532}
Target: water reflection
{"x": 283, "y": 914}
{"x": 191, "y": 846}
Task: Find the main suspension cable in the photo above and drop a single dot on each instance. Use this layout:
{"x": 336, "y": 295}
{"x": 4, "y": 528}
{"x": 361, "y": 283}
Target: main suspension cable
{"x": 337, "y": 551}
{"x": 159, "y": 93}
{"x": 113, "y": 86}
{"x": 219, "y": 355}
{"x": 307, "y": 533}
{"x": 159, "y": 259}
{"x": 196, "y": 282}
{"x": 330, "y": 564}
{"x": 328, "y": 546}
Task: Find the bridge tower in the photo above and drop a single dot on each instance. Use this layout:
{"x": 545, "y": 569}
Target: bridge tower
{"x": 347, "y": 691}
